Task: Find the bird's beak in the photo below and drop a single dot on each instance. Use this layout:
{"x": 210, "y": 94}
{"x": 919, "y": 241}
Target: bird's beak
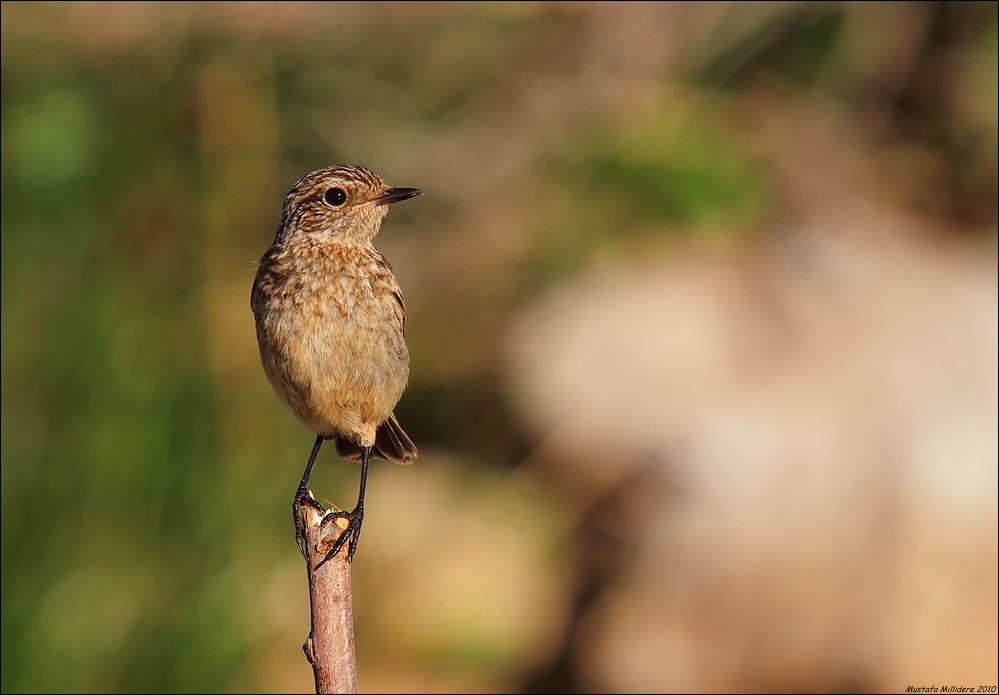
{"x": 394, "y": 195}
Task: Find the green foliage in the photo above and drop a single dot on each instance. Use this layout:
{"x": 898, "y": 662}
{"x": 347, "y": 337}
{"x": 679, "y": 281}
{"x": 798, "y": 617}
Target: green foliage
{"x": 113, "y": 551}
{"x": 792, "y": 45}
{"x": 674, "y": 179}
{"x": 691, "y": 191}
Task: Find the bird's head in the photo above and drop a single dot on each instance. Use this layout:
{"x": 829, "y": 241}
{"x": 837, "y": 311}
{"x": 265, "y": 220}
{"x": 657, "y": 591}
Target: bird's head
{"x": 342, "y": 203}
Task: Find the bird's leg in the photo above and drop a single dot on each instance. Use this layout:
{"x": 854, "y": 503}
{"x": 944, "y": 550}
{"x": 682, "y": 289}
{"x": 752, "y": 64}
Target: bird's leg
{"x": 302, "y": 495}
{"x": 353, "y": 530}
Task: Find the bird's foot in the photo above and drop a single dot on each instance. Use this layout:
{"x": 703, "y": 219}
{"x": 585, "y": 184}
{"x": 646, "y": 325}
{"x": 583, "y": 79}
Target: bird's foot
{"x": 348, "y": 537}
{"x": 302, "y": 497}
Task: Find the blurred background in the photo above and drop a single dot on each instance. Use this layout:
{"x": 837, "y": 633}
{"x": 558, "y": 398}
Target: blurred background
{"x": 703, "y": 319}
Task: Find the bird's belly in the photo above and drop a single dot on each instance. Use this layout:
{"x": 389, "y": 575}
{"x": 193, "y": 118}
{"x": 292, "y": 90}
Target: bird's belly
{"x": 342, "y": 373}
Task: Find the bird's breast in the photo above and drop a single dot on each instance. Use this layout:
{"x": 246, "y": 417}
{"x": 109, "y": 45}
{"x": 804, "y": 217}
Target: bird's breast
{"x": 330, "y": 331}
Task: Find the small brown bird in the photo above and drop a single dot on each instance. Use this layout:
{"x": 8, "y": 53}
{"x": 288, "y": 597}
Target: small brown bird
{"x": 331, "y": 324}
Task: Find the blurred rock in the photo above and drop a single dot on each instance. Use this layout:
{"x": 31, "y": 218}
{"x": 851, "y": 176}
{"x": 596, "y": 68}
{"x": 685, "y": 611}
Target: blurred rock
{"x": 824, "y": 412}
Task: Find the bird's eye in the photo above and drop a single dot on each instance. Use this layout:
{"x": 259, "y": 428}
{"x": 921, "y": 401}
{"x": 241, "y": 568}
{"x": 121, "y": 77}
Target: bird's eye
{"x": 335, "y": 197}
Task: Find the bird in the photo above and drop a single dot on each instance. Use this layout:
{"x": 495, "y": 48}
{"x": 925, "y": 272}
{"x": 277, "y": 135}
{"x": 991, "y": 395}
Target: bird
{"x": 331, "y": 324}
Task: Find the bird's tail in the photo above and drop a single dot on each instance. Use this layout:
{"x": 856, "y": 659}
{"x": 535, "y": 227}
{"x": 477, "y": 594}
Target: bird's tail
{"x": 391, "y": 444}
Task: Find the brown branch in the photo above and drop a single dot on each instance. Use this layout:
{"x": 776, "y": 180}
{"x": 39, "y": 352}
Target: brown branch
{"x": 330, "y": 646}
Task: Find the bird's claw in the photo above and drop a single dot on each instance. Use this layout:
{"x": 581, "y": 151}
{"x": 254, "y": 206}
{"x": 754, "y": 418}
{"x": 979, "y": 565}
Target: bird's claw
{"x": 349, "y": 536}
{"x": 302, "y": 497}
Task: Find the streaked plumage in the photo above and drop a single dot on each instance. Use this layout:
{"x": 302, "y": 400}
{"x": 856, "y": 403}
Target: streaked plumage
{"x": 331, "y": 319}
